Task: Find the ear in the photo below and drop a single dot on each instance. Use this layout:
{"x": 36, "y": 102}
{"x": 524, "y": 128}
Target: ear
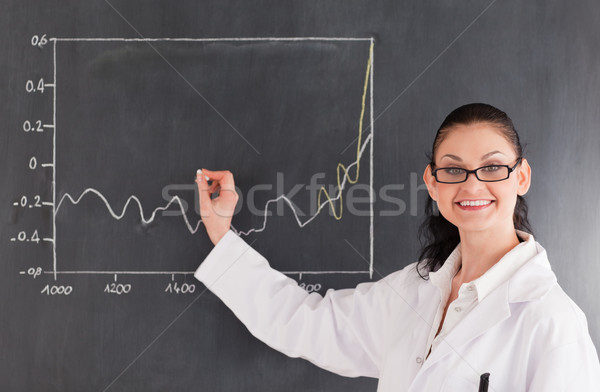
{"x": 523, "y": 177}
{"x": 431, "y": 183}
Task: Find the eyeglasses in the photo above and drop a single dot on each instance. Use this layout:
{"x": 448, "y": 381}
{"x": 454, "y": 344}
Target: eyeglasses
{"x": 490, "y": 173}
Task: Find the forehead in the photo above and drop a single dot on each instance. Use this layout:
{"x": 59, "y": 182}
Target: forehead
{"x": 472, "y": 141}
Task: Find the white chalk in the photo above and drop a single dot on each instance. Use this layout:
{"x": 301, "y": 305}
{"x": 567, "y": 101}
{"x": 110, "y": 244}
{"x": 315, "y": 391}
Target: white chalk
{"x": 199, "y": 173}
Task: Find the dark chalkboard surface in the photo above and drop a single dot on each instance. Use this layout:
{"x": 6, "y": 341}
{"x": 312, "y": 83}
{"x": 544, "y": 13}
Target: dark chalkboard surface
{"x": 108, "y": 108}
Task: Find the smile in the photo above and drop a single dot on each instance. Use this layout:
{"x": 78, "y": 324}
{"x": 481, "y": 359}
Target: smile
{"x": 474, "y": 204}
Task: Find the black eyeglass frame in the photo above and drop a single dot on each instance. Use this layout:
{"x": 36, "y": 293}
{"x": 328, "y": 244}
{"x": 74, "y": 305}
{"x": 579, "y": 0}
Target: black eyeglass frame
{"x": 474, "y": 171}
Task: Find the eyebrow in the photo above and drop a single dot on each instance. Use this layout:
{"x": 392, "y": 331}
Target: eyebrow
{"x": 489, "y": 154}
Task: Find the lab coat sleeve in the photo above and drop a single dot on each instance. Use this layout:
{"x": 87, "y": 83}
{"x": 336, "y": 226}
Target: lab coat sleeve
{"x": 340, "y": 332}
{"x": 568, "y": 360}
{"x": 571, "y": 367}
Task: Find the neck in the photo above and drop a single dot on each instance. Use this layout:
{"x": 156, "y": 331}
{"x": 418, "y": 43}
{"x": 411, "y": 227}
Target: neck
{"x": 482, "y": 249}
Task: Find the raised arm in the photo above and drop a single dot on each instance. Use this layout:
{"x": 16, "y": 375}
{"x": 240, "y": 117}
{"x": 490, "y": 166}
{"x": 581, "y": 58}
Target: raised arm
{"x": 341, "y": 332}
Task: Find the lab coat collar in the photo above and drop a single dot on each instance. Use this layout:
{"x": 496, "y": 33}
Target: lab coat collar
{"x": 519, "y": 291}
{"x": 507, "y": 266}
{"x": 531, "y": 282}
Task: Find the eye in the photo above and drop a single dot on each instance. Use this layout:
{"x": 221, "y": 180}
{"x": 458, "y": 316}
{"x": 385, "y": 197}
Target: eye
{"x": 453, "y": 171}
{"x": 491, "y": 169}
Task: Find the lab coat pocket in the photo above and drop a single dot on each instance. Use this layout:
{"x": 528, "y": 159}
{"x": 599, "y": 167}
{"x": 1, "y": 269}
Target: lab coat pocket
{"x": 459, "y": 384}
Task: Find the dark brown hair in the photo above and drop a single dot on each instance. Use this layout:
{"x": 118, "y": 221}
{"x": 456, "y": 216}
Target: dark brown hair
{"x": 438, "y": 236}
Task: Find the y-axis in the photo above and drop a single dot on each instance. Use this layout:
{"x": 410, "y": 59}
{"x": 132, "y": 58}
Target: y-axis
{"x": 54, "y": 168}
{"x": 372, "y": 196}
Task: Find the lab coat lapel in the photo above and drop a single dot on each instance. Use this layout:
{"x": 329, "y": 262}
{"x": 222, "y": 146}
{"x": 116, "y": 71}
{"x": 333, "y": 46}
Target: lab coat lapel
{"x": 491, "y": 311}
{"x": 531, "y": 282}
{"x": 428, "y": 302}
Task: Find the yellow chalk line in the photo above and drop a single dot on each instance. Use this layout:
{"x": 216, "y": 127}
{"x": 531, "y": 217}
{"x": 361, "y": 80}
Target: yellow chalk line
{"x": 340, "y": 165}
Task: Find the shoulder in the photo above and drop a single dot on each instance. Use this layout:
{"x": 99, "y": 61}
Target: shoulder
{"x": 557, "y": 334}
{"x": 542, "y": 297}
{"x": 559, "y": 307}
{"x": 540, "y": 305}
{"x": 555, "y": 319}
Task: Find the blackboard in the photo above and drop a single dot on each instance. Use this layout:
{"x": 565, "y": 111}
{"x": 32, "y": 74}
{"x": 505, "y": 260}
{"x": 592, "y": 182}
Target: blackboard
{"x": 108, "y": 108}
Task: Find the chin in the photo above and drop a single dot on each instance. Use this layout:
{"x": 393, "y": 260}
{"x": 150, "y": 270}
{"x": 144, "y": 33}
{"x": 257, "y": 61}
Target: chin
{"x": 475, "y": 224}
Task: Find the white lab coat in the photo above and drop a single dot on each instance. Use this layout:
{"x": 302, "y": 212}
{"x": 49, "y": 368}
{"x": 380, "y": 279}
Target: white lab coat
{"x": 527, "y": 333}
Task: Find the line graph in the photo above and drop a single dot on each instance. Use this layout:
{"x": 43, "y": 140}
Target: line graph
{"x": 194, "y": 228}
{"x": 177, "y": 202}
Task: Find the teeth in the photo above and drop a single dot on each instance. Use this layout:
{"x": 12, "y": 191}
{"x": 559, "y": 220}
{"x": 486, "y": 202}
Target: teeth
{"x": 475, "y": 203}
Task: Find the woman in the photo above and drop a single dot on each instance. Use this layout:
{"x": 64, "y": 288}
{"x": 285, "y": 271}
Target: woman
{"x": 483, "y": 298}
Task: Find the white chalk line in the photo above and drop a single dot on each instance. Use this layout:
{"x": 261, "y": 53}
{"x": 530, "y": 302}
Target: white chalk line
{"x": 289, "y": 202}
{"x": 54, "y": 161}
{"x": 221, "y": 39}
{"x": 371, "y": 170}
{"x": 193, "y": 229}
{"x": 185, "y": 272}
{"x": 132, "y": 198}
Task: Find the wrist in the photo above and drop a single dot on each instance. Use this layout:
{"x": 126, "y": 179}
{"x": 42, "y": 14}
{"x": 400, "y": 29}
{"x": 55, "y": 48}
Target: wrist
{"x": 217, "y": 237}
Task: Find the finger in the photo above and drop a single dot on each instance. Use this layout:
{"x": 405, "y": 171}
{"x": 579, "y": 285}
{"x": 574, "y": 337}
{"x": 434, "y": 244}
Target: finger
{"x": 229, "y": 197}
{"x": 214, "y": 187}
{"x": 199, "y": 173}
{"x": 204, "y": 194}
{"x": 224, "y": 177}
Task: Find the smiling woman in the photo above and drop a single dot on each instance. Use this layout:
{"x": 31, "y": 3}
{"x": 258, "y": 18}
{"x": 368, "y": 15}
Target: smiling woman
{"x": 482, "y": 303}
{"x": 483, "y": 210}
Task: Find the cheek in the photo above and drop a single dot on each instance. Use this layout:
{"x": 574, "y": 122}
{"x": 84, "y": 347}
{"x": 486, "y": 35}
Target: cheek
{"x": 446, "y": 197}
{"x": 446, "y": 192}
{"x": 506, "y": 192}
{"x": 508, "y": 200}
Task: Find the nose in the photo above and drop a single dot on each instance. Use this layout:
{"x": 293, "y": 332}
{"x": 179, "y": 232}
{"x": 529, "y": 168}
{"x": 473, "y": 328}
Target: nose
{"x": 472, "y": 184}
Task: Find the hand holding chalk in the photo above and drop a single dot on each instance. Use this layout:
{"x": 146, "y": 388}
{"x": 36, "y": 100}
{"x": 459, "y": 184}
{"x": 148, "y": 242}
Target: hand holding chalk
{"x": 216, "y": 213}
{"x": 199, "y": 173}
